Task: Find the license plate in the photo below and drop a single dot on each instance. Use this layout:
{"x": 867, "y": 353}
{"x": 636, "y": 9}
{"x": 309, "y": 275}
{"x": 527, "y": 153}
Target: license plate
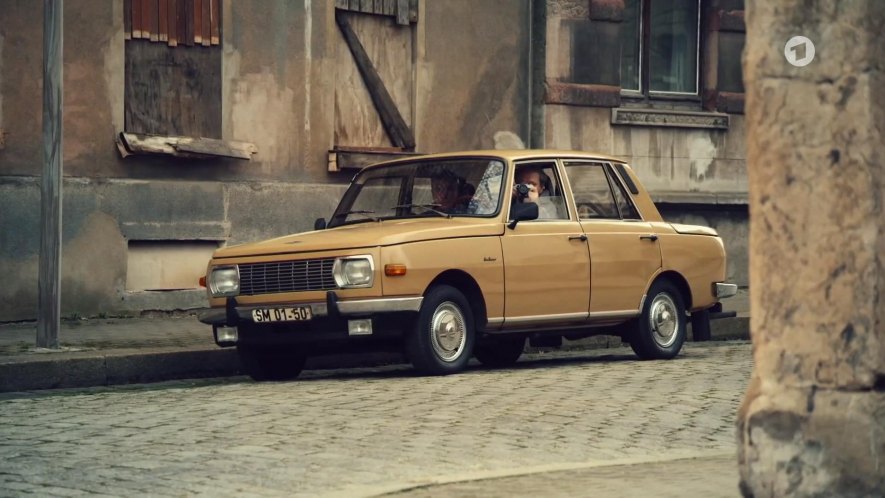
{"x": 299, "y": 314}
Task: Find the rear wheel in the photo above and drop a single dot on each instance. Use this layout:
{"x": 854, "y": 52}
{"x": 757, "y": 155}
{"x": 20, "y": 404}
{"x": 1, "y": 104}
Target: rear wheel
{"x": 660, "y": 331}
{"x": 500, "y": 351}
{"x": 270, "y": 363}
{"x": 442, "y": 340}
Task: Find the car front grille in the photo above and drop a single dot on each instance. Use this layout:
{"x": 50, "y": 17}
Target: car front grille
{"x": 287, "y": 276}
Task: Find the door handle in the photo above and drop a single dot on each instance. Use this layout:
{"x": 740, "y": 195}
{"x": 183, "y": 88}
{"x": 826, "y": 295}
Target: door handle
{"x": 582, "y": 237}
{"x": 652, "y": 237}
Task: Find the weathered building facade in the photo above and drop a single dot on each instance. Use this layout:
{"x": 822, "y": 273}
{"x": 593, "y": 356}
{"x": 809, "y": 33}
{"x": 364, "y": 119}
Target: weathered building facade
{"x": 298, "y": 88}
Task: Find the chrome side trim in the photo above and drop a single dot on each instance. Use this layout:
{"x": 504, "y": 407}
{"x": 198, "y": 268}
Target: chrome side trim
{"x": 383, "y": 305}
{"x": 547, "y": 318}
{"x": 722, "y": 290}
{"x": 642, "y": 302}
{"x": 598, "y": 315}
{"x": 495, "y": 321}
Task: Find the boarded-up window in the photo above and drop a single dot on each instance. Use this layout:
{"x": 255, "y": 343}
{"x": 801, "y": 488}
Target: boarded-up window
{"x": 173, "y": 67}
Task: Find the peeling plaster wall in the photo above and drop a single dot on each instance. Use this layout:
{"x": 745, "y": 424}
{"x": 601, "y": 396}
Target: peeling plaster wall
{"x": 473, "y": 78}
{"x": 666, "y": 159}
{"x": 102, "y": 216}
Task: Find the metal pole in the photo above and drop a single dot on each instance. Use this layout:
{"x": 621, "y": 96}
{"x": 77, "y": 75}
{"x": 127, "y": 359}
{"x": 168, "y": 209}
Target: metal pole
{"x": 49, "y": 284}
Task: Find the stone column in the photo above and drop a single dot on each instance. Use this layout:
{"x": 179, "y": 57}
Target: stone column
{"x": 812, "y": 422}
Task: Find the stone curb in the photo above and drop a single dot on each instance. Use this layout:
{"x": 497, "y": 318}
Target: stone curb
{"x": 90, "y": 369}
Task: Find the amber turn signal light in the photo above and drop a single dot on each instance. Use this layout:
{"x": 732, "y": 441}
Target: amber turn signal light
{"x": 202, "y": 281}
{"x": 394, "y": 270}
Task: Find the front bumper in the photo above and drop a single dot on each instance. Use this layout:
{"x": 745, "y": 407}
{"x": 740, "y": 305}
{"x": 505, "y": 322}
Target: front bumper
{"x": 332, "y": 322}
{"x": 332, "y": 307}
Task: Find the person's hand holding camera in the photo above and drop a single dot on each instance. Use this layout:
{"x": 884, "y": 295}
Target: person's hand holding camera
{"x": 525, "y": 192}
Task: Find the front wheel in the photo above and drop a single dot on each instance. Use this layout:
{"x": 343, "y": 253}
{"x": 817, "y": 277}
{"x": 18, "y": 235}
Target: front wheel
{"x": 660, "y": 331}
{"x": 267, "y": 363}
{"x": 442, "y": 340}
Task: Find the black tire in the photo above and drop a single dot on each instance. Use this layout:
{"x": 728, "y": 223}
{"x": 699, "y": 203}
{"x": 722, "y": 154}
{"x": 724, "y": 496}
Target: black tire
{"x": 652, "y": 337}
{"x": 441, "y": 341}
{"x": 500, "y": 352}
{"x": 270, "y": 363}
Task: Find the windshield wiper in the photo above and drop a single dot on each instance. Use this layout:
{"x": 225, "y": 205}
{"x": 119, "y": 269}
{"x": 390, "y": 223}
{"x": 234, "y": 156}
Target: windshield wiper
{"x": 426, "y": 207}
{"x": 363, "y": 212}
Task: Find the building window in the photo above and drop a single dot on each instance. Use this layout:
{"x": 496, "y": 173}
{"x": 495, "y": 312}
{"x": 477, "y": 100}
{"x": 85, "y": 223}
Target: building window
{"x": 659, "y": 48}
{"x": 173, "y": 67}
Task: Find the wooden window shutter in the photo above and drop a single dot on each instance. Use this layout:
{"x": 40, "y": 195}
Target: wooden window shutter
{"x": 173, "y": 22}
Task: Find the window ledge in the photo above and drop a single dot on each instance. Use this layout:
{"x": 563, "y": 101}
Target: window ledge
{"x": 700, "y": 198}
{"x": 343, "y": 158}
{"x": 669, "y": 119}
{"x": 192, "y": 147}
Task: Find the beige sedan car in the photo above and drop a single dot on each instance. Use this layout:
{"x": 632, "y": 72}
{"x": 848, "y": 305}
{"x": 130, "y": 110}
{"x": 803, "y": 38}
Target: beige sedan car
{"x": 450, "y": 256}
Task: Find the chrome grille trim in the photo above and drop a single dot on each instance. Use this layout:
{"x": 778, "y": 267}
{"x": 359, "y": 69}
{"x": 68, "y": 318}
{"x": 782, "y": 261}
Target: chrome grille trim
{"x": 287, "y": 276}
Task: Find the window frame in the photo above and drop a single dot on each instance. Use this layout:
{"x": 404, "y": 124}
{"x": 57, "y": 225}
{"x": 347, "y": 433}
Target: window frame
{"x": 645, "y": 93}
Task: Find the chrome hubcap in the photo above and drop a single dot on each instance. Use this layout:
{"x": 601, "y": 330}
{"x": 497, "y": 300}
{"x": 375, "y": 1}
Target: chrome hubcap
{"x": 663, "y": 320}
{"x": 448, "y": 334}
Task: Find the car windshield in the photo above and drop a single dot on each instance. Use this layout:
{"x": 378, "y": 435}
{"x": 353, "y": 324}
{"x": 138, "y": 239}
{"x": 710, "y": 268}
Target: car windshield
{"x": 440, "y": 188}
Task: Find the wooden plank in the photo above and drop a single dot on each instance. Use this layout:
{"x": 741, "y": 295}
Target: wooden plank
{"x": 389, "y": 7}
{"x": 355, "y": 5}
{"x": 367, "y": 150}
{"x": 216, "y": 22}
{"x": 402, "y": 12}
{"x": 340, "y": 160}
{"x": 367, "y": 6}
{"x": 49, "y": 276}
{"x": 136, "y": 19}
{"x": 342, "y": 4}
{"x": 413, "y": 10}
{"x": 127, "y": 19}
{"x": 146, "y": 19}
{"x": 136, "y": 143}
{"x": 155, "y": 19}
{"x": 172, "y": 92}
{"x": 378, "y": 8}
{"x": 163, "y": 29}
{"x": 173, "y": 23}
{"x": 394, "y": 124}
{"x": 189, "y": 22}
{"x": 207, "y": 23}
{"x": 198, "y": 22}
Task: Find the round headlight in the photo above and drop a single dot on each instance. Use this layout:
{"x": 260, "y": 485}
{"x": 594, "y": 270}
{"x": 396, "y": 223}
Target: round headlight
{"x": 224, "y": 281}
{"x": 354, "y": 272}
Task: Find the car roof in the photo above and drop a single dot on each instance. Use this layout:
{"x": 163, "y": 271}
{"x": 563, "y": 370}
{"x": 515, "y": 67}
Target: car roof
{"x": 510, "y": 155}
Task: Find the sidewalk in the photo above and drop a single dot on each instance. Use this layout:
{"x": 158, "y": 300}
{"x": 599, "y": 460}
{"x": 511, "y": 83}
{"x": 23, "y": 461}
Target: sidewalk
{"x": 710, "y": 475}
{"x": 98, "y": 352}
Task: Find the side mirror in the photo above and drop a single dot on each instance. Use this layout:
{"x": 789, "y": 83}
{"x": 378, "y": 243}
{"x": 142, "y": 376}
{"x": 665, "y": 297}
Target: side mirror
{"x": 523, "y": 211}
{"x": 319, "y": 224}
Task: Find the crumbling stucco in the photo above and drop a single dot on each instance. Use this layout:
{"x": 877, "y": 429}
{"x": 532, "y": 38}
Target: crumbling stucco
{"x": 811, "y": 423}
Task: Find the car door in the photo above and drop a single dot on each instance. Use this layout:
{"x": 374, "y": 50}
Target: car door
{"x": 547, "y": 264}
{"x": 624, "y": 252}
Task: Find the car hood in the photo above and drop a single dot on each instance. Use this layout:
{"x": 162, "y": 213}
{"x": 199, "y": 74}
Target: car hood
{"x": 367, "y": 234}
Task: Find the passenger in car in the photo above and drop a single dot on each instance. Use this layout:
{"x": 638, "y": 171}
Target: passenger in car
{"x": 537, "y": 182}
{"x": 451, "y": 193}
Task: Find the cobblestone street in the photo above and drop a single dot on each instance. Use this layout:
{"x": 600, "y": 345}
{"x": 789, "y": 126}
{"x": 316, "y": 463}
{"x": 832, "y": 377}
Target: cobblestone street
{"x": 382, "y": 430}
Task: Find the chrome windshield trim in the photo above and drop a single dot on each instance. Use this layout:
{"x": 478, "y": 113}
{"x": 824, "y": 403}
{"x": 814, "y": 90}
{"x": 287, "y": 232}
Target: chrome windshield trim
{"x": 382, "y": 305}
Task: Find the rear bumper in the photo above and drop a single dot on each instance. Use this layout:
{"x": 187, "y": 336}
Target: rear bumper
{"x": 722, "y": 290}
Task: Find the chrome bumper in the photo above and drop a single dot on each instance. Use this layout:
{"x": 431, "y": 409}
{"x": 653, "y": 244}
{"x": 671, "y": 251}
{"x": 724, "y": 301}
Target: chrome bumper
{"x": 721, "y": 290}
{"x": 332, "y": 306}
